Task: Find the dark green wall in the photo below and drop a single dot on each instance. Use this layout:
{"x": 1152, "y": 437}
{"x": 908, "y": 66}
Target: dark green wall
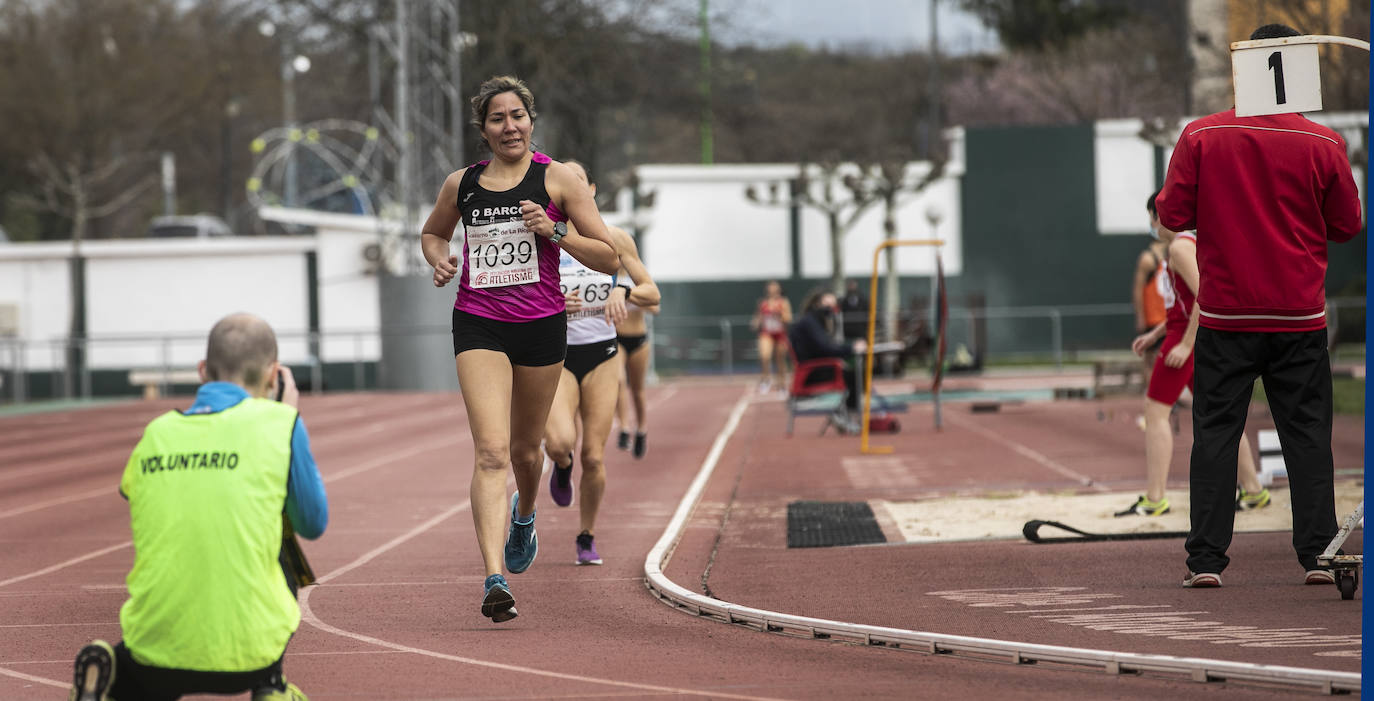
{"x": 1030, "y": 236}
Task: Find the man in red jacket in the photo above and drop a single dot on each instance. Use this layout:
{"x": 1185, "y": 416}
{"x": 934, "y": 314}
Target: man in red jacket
{"x": 1265, "y": 194}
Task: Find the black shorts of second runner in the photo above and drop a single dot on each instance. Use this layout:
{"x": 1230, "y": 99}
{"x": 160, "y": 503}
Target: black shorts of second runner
{"x": 632, "y": 343}
{"x": 529, "y": 343}
{"x": 584, "y": 358}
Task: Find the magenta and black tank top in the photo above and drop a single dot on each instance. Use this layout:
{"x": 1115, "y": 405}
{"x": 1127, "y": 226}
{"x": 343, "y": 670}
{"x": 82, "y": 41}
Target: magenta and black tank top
{"x": 509, "y": 273}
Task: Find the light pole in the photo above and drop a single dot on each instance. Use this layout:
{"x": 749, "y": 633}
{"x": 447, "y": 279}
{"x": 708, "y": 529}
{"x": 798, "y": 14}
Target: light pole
{"x": 291, "y": 64}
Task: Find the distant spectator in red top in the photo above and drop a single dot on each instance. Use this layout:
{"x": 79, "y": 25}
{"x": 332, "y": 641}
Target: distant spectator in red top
{"x": 1265, "y": 194}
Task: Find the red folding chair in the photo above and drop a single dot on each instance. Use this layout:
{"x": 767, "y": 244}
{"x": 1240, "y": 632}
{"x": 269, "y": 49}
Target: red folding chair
{"x": 809, "y": 380}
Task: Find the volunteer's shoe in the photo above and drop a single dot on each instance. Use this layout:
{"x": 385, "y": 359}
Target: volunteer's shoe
{"x": 1246, "y": 501}
{"x": 641, "y": 444}
{"x": 1145, "y": 507}
{"x": 623, "y": 442}
{"x": 522, "y": 543}
{"x": 560, "y": 483}
{"x": 290, "y": 693}
{"x": 586, "y": 550}
{"x": 764, "y": 386}
{"x": 94, "y": 673}
{"x": 1319, "y": 577}
{"x": 498, "y": 604}
{"x": 1202, "y": 580}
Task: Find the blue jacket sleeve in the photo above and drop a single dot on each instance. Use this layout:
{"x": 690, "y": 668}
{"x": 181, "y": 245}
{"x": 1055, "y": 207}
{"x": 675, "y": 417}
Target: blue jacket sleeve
{"x": 306, "y": 503}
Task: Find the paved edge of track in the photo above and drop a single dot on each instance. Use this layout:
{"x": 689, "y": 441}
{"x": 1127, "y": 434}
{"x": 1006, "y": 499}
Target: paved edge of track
{"x": 1192, "y": 668}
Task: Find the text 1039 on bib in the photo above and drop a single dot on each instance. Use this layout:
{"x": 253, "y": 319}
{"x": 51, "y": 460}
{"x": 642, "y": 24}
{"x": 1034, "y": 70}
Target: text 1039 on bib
{"x": 501, "y": 254}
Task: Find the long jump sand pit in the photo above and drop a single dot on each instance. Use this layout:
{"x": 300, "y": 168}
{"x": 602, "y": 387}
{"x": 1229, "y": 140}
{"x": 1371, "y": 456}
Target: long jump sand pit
{"x": 1003, "y": 515}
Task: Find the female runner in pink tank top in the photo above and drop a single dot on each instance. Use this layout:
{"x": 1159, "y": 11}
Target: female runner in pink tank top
{"x": 509, "y": 324}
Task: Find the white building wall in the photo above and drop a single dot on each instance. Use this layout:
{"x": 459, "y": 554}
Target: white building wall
{"x": 1124, "y": 166}
{"x": 34, "y": 278}
{"x": 703, "y": 227}
{"x": 141, "y": 292}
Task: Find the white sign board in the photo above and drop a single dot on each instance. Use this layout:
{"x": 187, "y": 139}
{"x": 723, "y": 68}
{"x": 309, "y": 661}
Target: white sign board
{"x": 1276, "y": 79}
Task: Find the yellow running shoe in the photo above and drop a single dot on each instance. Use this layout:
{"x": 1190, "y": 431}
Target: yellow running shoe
{"x": 290, "y": 693}
{"x": 1246, "y": 502}
{"x": 1145, "y": 507}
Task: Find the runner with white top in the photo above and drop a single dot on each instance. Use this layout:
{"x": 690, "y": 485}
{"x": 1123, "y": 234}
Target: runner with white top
{"x": 590, "y": 381}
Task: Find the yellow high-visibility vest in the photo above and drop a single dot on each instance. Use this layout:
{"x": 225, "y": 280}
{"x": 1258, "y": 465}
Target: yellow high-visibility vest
{"x": 206, "y": 494}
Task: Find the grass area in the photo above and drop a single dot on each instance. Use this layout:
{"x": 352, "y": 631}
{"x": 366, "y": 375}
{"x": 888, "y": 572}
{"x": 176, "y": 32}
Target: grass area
{"x": 1347, "y": 395}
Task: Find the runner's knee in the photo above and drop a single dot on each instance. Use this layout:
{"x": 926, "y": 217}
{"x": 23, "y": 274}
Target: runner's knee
{"x": 494, "y": 455}
{"x": 593, "y": 461}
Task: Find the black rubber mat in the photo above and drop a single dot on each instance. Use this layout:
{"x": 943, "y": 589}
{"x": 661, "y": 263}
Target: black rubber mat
{"x": 822, "y": 524}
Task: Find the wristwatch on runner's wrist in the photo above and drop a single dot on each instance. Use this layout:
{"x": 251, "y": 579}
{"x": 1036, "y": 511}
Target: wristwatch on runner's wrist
{"x": 560, "y": 229}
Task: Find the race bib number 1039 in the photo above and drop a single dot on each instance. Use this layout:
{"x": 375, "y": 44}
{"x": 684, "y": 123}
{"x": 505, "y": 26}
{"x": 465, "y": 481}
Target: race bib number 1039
{"x": 500, "y": 255}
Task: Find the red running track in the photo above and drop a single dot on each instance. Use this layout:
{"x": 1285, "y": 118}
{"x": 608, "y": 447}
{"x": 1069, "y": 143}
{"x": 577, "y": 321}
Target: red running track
{"x": 396, "y": 615}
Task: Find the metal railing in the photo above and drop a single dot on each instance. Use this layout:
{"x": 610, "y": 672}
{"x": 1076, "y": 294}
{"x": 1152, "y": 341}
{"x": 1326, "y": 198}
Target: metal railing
{"x": 1045, "y": 334}
{"x": 1054, "y": 335}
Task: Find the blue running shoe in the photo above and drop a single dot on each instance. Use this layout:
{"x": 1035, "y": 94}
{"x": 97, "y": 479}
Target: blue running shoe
{"x": 498, "y": 604}
{"x": 560, "y": 483}
{"x": 522, "y": 543}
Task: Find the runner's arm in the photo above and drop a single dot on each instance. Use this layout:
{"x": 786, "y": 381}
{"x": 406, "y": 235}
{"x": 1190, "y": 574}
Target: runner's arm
{"x": 587, "y": 239}
{"x": 1142, "y": 273}
{"x": 437, "y": 232}
{"x": 645, "y": 292}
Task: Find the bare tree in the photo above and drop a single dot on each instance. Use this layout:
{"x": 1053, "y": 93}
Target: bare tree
{"x": 1083, "y": 80}
{"x": 896, "y": 183}
{"x": 70, "y": 190}
{"x": 840, "y": 193}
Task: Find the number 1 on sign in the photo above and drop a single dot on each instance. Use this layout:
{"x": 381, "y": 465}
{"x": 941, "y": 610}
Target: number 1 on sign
{"x": 1276, "y": 65}
{"x": 1276, "y": 79}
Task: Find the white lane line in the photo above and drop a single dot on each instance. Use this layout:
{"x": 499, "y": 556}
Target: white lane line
{"x": 107, "y": 490}
{"x": 68, "y": 563}
{"x": 372, "y": 554}
{"x": 308, "y": 615}
{"x": 1030, "y": 453}
{"x": 323, "y": 653}
{"x": 37, "y": 680}
{"x": 390, "y": 458}
{"x": 370, "y": 465}
{"x": 16, "y": 473}
{"x": 477, "y": 579}
{"x": 681, "y": 598}
{"x": 54, "y": 625}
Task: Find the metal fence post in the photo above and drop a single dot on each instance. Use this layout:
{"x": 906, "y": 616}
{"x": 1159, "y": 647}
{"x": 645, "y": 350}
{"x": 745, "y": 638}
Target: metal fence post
{"x": 316, "y": 368}
{"x": 85, "y": 367}
{"x": 357, "y": 361}
{"x": 651, "y": 373}
{"x": 727, "y": 346}
{"x": 164, "y": 387}
{"x": 53, "y": 374}
{"x": 1057, "y": 340}
{"x": 17, "y": 351}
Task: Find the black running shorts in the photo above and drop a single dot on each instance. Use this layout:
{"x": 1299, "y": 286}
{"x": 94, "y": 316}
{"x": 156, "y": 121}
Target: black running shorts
{"x": 586, "y": 357}
{"x": 530, "y": 343}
